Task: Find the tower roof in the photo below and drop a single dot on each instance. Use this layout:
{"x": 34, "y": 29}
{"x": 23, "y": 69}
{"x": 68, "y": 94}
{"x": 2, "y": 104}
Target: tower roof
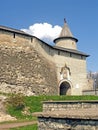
{"x": 65, "y": 32}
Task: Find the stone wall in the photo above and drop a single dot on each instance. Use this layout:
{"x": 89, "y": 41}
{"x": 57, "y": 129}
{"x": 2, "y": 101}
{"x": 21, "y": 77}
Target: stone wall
{"x": 76, "y": 64}
{"x": 68, "y": 115}
{"x": 90, "y": 92}
{"x": 67, "y": 124}
{"x": 24, "y": 69}
{"x": 68, "y": 105}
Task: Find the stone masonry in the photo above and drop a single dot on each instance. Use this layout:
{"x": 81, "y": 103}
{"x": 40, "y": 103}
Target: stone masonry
{"x": 23, "y": 69}
{"x": 68, "y": 115}
{"x": 33, "y": 67}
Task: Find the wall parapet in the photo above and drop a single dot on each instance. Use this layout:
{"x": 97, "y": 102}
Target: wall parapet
{"x": 69, "y": 105}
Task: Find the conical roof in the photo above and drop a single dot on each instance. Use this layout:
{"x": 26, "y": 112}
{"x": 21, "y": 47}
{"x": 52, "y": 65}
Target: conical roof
{"x": 65, "y": 32}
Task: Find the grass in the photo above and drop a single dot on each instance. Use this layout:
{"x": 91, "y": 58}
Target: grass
{"x": 30, "y": 127}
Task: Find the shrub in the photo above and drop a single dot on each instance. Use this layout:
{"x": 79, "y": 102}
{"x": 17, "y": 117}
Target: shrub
{"x": 16, "y": 101}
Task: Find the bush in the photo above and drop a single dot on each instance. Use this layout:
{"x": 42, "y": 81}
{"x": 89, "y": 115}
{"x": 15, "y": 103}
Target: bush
{"x": 16, "y": 101}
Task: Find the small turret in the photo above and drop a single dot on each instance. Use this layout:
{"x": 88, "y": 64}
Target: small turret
{"x": 66, "y": 39}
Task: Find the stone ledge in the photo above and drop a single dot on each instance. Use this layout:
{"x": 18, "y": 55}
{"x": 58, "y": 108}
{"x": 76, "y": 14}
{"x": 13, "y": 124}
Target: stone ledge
{"x": 69, "y": 105}
{"x": 72, "y": 101}
{"x": 71, "y": 114}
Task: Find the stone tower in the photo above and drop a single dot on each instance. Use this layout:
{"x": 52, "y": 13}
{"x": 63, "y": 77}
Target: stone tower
{"x": 71, "y": 64}
{"x": 66, "y": 39}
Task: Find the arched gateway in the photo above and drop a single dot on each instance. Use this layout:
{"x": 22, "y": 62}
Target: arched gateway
{"x": 65, "y": 88}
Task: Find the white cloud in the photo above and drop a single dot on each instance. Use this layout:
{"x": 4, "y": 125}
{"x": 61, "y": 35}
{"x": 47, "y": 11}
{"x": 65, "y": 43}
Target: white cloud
{"x": 44, "y": 31}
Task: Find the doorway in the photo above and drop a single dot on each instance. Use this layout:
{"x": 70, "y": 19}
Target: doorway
{"x": 65, "y": 88}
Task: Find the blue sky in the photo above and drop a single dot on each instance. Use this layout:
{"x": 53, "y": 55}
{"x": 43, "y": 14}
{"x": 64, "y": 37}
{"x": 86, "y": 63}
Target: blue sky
{"x": 81, "y": 15}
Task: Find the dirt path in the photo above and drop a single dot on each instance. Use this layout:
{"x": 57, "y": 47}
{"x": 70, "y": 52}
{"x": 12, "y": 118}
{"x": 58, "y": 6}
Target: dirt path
{"x": 13, "y": 125}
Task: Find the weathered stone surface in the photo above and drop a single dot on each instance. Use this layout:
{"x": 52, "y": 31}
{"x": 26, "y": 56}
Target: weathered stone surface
{"x": 6, "y": 117}
{"x": 69, "y": 105}
{"x": 2, "y": 103}
{"x": 23, "y": 69}
{"x": 3, "y": 115}
{"x": 67, "y": 124}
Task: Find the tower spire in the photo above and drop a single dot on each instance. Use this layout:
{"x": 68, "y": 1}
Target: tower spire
{"x": 65, "y": 30}
{"x": 66, "y": 39}
{"x": 65, "y": 20}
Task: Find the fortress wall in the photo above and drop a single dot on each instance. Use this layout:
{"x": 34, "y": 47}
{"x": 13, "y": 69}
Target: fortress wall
{"x": 41, "y": 63}
{"x": 44, "y": 49}
{"x": 23, "y": 68}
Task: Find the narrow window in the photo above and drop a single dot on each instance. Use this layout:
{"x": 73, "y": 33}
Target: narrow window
{"x": 70, "y": 54}
{"x": 81, "y": 57}
{"x": 72, "y": 43}
{"x": 31, "y": 39}
{"x": 14, "y": 35}
{"x": 58, "y": 52}
{"x": 49, "y": 49}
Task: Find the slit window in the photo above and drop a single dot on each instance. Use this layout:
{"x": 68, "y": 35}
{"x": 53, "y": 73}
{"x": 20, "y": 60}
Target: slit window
{"x": 14, "y": 35}
{"x": 70, "y": 54}
{"x": 58, "y": 52}
{"x": 82, "y": 57}
{"x": 31, "y": 39}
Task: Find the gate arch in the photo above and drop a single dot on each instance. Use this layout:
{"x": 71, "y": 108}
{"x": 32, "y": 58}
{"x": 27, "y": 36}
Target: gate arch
{"x": 65, "y": 87}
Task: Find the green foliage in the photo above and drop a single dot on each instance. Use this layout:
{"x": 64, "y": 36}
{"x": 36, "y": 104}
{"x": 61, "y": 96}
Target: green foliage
{"x": 15, "y": 105}
{"x": 30, "y": 127}
{"x": 16, "y": 101}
